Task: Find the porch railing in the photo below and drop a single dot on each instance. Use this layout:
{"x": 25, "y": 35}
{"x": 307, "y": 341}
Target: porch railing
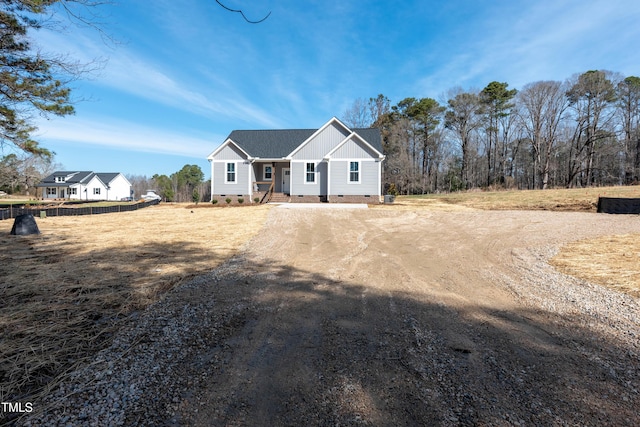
{"x": 267, "y": 196}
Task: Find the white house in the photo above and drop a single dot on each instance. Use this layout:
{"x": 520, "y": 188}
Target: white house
{"x": 85, "y": 185}
{"x": 329, "y": 164}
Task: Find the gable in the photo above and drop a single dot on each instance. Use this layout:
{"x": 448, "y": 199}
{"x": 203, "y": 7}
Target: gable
{"x": 354, "y": 148}
{"x": 95, "y": 181}
{"x": 322, "y": 142}
{"x": 107, "y": 177}
{"x": 229, "y": 152}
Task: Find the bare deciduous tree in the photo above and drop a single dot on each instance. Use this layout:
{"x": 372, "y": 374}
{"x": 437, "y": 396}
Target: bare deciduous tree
{"x": 462, "y": 117}
{"x": 357, "y": 116}
{"x": 543, "y": 105}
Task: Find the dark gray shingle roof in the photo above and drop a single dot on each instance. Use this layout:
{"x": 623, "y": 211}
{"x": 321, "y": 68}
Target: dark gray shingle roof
{"x": 270, "y": 143}
{"x": 76, "y": 178}
{"x": 277, "y": 144}
{"x": 107, "y": 177}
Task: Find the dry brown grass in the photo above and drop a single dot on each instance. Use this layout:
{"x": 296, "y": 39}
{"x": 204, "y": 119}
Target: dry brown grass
{"x": 575, "y": 199}
{"x": 411, "y": 203}
{"x": 612, "y": 261}
{"x": 65, "y": 291}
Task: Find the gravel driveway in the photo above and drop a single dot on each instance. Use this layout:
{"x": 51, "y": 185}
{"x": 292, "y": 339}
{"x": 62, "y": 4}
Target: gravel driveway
{"x": 377, "y": 317}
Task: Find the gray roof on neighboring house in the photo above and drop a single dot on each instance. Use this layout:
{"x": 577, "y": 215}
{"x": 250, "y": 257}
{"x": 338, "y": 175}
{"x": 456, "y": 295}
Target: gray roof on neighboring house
{"x": 75, "y": 177}
{"x": 107, "y": 177}
{"x": 275, "y": 144}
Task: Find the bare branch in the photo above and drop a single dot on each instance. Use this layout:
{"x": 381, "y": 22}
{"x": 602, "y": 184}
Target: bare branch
{"x": 242, "y": 13}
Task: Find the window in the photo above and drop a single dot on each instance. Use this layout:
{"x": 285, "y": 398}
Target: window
{"x": 60, "y": 179}
{"x": 51, "y": 191}
{"x": 73, "y": 191}
{"x": 268, "y": 172}
{"x": 354, "y": 171}
{"x": 96, "y": 191}
{"x": 311, "y": 172}
{"x": 231, "y": 172}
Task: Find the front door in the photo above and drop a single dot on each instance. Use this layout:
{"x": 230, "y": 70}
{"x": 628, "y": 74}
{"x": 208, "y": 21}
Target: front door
{"x": 286, "y": 180}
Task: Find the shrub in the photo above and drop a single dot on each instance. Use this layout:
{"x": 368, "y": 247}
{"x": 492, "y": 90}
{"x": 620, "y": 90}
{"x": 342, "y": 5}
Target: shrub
{"x": 214, "y": 201}
{"x": 240, "y": 200}
{"x": 228, "y": 200}
{"x": 256, "y": 199}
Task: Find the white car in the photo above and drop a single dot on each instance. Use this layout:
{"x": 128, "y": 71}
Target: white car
{"x": 151, "y": 195}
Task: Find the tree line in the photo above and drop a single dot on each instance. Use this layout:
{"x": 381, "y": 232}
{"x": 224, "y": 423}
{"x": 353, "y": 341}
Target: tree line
{"x": 185, "y": 185}
{"x": 20, "y": 175}
{"x": 575, "y": 133}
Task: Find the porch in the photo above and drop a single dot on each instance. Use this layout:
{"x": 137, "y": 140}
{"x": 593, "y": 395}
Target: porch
{"x": 273, "y": 181}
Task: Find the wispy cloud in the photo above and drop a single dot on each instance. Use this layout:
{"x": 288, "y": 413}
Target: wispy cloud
{"x": 129, "y": 72}
{"x": 126, "y": 136}
{"x": 531, "y": 41}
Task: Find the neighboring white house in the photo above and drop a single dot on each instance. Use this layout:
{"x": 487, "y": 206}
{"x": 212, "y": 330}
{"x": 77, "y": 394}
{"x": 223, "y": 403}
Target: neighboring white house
{"x": 85, "y": 185}
{"x": 329, "y": 164}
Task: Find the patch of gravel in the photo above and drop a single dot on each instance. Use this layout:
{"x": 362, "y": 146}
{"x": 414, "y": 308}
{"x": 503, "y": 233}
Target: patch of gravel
{"x": 142, "y": 377}
{"x": 171, "y": 349}
{"x": 582, "y": 305}
{"x": 604, "y": 325}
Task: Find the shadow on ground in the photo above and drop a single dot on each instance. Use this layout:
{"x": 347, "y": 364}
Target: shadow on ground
{"x": 62, "y": 315}
{"x": 308, "y": 350}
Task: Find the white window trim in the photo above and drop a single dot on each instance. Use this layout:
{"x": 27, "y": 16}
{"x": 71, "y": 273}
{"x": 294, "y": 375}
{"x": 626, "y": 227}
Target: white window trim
{"x": 264, "y": 171}
{"x": 96, "y": 191}
{"x": 359, "y": 181}
{"x": 315, "y": 173}
{"x": 235, "y": 172}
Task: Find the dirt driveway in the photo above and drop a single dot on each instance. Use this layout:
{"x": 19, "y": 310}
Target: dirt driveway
{"x": 379, "y": 317}
{"x": 382, "y": 317}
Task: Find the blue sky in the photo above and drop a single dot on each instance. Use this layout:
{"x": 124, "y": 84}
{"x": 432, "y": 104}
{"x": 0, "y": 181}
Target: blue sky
{"x": 183, "y": 74}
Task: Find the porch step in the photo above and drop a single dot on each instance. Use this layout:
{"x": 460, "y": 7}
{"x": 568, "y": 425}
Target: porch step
{"x": 280, "y": 198}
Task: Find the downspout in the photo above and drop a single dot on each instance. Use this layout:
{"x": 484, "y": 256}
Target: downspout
{"x": 380, "y": 180}
{"x": 211, "y": 168}
{"x": 249, "y": 181}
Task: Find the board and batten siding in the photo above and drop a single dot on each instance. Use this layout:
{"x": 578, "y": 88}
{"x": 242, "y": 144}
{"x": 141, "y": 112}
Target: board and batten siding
{"x": 299, "y": 186}
{"x": 354, "y": 149}
{"x": 321, "y": 144}
{"x": 218, "y": 174}
{"x": 369, "y": 178}
{"x": 230, "y": 152}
